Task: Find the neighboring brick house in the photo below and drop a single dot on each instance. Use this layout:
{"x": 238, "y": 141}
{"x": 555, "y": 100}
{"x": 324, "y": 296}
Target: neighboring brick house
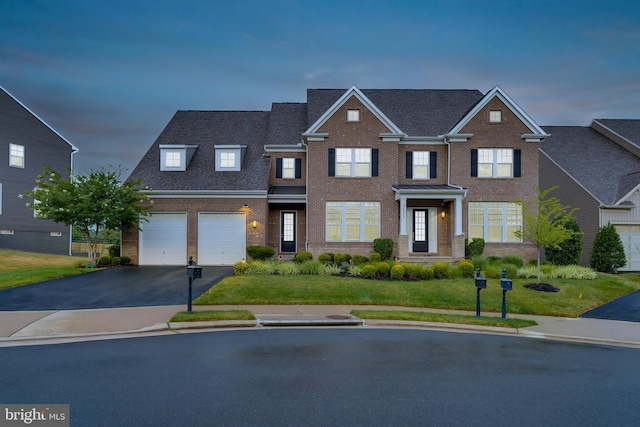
{"x": 426, "y": 168}
{"x": 27, "y": 145}
{"x": 597, "y": 170}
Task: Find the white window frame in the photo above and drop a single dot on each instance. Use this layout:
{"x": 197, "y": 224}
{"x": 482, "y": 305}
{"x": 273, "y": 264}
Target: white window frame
{"x": 492, "y": 162}
{"x": 16, "y": 156}
{"x": 229, "y": 158}
{"x": 173, "y": 160}
{"x": 352, "y": 221}
{"x": 353, "y": 115}
{"x": 495, "y": 116}
{"x": 288, "y": 168}
{"x": 495, "y": 222}
{"x": 353, "y": 162}
{"x": 420, "y": 165}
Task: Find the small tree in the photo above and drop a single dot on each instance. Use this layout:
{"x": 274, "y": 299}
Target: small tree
{"x": 569, "y": 251}
{"x": 545, "y": 221}
{"x": 91, "y": 203}
{"x": 383, "y": 246}
{"x": 607, "y": 253}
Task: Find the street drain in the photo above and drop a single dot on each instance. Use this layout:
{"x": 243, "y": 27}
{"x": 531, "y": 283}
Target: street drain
{"x": 338, "y": 317}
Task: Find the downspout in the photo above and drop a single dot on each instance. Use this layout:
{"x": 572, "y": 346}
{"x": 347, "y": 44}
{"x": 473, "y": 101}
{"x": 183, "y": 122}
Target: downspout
{"x": 306, "y": 196}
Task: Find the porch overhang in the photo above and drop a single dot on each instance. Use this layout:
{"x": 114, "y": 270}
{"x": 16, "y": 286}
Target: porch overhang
{"x": 404, "y": 192}
{"x": 287, "y": 194}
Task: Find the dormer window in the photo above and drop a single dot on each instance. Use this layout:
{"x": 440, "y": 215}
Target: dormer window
{"x": 353, "y": 115}
{"x": 175, "y": 157}
{"x": 229, "y": 157}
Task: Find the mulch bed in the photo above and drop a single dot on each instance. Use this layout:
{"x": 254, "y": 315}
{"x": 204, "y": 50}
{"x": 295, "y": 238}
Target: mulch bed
{"x": 542, "y": 287}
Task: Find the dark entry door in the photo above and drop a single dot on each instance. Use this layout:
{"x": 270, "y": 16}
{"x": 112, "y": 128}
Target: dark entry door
{"x": 420, "y": 243}
{"x": 288, "y": 232}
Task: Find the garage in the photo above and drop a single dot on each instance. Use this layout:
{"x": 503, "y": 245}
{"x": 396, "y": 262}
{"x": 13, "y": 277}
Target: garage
{"x": 163, "y": 240}
{"x": 221, "y": 237}
{"x": 630, "y": 236}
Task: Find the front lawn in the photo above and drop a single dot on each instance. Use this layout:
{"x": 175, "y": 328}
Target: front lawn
{"x": 575, "y": 296}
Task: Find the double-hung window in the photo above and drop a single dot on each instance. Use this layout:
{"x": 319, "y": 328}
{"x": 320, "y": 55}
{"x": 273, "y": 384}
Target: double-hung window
{"x": 355, "y": 162}
{"x": 352, "y": 221}
{"x": 495, "y": 221}
{"x": 16, "y": 155}
{"x": 495, "y": 163}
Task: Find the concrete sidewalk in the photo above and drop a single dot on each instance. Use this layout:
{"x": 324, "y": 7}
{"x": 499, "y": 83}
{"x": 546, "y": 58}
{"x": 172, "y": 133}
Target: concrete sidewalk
{"x": 54, "y": 326}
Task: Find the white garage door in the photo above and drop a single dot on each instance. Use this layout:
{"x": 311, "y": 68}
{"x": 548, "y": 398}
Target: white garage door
{"x": 221, "y": 238}
{"x": 630, "y": 236}
{"x": 163, "y": 240}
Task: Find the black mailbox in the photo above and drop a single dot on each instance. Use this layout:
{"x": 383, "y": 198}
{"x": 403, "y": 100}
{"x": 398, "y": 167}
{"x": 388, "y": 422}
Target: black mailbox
{"x": 481, "y": 282}
{"x": 506, "y": 284}
{"x": 194, "y": 271}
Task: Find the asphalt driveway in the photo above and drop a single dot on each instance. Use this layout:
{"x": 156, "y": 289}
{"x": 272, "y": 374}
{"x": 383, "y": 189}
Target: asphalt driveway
{"x": 625, "y": 308}
{"x": 114, "y": 287}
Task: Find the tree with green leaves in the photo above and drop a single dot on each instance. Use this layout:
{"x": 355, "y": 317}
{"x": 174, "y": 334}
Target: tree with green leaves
{"x": 607, "y": 253}
{"x": 545, "y": 221}
{"x": 90, "y": 203}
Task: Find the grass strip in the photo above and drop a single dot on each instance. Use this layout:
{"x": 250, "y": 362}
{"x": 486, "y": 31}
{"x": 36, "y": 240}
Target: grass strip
{"x": 421, "y": 316}
{"x": 212, "y": 315}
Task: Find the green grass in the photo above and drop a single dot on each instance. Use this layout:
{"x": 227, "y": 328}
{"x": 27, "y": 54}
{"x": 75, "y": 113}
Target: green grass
{"x": 421, "y": 316}
{"x": 24, "y": 268}
{"x": 575, "y": 296}
{"x": 212, "y": 315}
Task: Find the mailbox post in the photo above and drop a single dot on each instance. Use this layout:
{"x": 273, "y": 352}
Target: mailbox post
{"x": 194, "y": 272}
{"x": 481, "y": 283}
{"x": 506, "y": 285}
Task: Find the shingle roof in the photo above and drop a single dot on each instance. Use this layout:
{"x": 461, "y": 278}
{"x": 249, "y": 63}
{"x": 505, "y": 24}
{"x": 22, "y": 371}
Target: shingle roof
{"x": 417, "y": 112}
{"x": 287, "y": 122}
{"x": 627, "y": 128}
{"x": 605, "y": 169}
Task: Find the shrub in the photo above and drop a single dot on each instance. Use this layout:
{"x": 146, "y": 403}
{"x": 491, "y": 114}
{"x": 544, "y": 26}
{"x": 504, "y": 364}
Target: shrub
{"x": 440, "y": 270}
{"x": 383, "y": 246}
{"x": 467, "y": 269}
{"x": 607, "y": 254}
{"x": 286, "y": 268}
{"x": 383, "y": 269}
{"x": 574, "y": 272}
{"x": 530, "y": 272}
{"x": 260, "y": 253}
{"x": 326, "y": 258}
{"x": 411, "y": 271}
{"x": 512, "y": 270}
{"x": 331, "y": 270}
{"x": 569, "y": 251}
{"x": 116, "y": 260}
{"x": 311, "y": 267}
{"x": 426, "y": 273}
{"x": 473, "y": 248}
{"x": 104, "y": 261}
{"x": 114, "y": 251}
{"x": 479, "y": 262}
{"x": 260, "y": 267}
{"x": 125, "y": 260}
{"x": 240, "y": 268}
{"x": 513, "y": 259}
{"x": 301, "y": 257}
{"x": 359, "y": 259}
{"x": 397, "y": 272}
{"x": 369, "y": 271}
{"x": 493, "y": 271}
{"x": 375, "y": 257}
{"x": 338, "y": 259}
{"x": 494, "y": 259}
{"x": 355, "y": 271}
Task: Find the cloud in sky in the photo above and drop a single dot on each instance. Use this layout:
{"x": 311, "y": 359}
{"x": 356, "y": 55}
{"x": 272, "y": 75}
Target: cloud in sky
{"x": 109, "y": 75}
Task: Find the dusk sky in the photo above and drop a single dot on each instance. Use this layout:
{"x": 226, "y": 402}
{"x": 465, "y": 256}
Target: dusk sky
{"x": 109, "y": 75}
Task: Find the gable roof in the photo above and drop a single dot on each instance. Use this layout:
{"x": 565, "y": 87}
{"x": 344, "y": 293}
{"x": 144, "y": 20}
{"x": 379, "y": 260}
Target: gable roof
{"x": 207, "y": 129}
{"x": 7, "y": 99}
{"x": 582, "y": 153}
{"x": 627, "y": 129}
{"x": 510, "y": 103}
{"x": 416, "y": 112}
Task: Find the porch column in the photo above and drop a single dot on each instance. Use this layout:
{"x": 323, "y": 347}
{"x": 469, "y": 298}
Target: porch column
{"x": 457, "y": 211}
{"x": 403, "y": 215}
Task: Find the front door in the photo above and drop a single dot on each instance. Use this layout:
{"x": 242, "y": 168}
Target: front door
{"x": 288, "y": 232}
{"x": 420, "y": 241}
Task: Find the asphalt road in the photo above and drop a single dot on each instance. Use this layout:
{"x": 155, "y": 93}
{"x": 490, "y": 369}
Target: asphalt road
{"x": 626, "y": 308}
{"x": 327, "y": 377}
{"x": 114, "y": 287}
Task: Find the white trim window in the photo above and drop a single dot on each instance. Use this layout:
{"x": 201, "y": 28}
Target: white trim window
{"x": 353, "y": 115}
{"x": 288, "y": 168}
{"x": 353, "y": 162}
{"x": 352, "y": 221}
{"x": 495, "y": 116}
{"x": 495, "y": 163}
{"x": 495, "y": 221}
{"x": 227, "y": 159}
{"x": 16, "y": 156}
{"x": 421, "y": 165}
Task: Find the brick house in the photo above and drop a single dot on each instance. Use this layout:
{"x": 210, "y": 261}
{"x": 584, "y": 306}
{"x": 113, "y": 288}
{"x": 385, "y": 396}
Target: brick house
{"x": 426, "y": 168}
{"x": 27, "y": 145}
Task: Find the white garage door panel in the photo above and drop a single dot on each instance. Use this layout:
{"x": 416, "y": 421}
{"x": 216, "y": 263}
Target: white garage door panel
{"x": 163, "y": 240}
{"x": 630, "y": 236}
{"x": 221, "y": 238}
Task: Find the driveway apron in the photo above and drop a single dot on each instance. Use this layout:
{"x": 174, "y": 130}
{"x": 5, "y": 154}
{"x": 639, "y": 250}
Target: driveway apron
{"x": 114, "y": 287}
{"x": 626, "y": 308}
